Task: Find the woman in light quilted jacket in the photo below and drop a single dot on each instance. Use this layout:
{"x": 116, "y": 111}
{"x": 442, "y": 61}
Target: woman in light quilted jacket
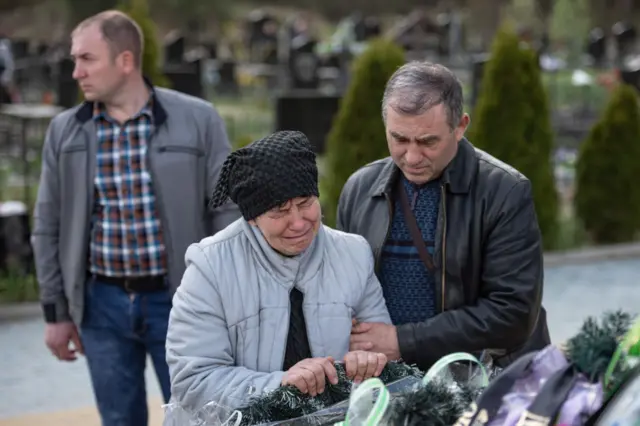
{"x": 271, "y": 299}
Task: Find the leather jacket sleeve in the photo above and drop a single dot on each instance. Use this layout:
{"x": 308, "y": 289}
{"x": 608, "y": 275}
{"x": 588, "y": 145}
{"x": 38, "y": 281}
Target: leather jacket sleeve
{"x": 509, "y": 298}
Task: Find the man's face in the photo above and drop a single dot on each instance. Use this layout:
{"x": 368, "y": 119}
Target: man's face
{"x": 99, "y": 74}
{"x": 291, "y": 227}
{"x": 423, "y": 145}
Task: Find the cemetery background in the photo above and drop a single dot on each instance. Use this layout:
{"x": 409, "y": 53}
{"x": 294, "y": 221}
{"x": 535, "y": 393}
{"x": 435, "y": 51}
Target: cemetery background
{"x": 272, "y": 68}
{"x": 290, "y": 67}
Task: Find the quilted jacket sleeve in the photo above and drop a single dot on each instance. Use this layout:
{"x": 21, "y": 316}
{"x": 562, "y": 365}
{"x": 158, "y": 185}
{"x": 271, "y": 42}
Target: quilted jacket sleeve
{"x": 199, "y": 352}
{"x": 372, "y": 307}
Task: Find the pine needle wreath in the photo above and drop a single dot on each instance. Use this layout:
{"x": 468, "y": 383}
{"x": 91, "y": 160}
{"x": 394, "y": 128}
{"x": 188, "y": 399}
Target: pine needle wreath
{"x": 434, "y": 404}
{"x": 287, "y": 402}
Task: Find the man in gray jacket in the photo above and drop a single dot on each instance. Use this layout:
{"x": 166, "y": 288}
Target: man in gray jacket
{"x": 270, "y": 300}
{"x": 123, "y": 191}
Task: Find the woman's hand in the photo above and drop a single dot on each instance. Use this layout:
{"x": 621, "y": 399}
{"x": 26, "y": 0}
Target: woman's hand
{"x": 309, "y": 375}
{"x": 362, "y": 365}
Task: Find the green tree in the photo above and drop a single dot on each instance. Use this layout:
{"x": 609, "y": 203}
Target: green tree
{"x": 607, "y": 198}
{"x": 357, "y": 136}
{"x": 138, "y": 10}
{"x": 511, "y": 122}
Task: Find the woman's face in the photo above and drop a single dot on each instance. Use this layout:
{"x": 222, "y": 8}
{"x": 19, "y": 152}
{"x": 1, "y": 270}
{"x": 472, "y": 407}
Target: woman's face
{"x": 291, "y": 227}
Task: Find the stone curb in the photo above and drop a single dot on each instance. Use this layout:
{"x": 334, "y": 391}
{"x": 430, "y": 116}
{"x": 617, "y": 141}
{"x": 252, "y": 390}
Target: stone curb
{"x": 18, "y": 311}
{"x": 592, "y": 254}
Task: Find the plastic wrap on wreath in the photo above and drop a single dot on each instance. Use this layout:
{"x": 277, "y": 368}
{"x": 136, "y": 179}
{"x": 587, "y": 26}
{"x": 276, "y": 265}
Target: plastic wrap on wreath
{"x": 464, "y": 373}
{"x": 337, "y": 412}
{"x": 212, "y": 414}
{"x": 439, "y": 399}
{"x": 215, "y": 415}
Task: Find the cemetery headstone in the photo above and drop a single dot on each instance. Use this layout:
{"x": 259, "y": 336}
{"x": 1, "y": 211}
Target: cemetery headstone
{"x": 263, "y": 38}
{"x": 419, "y": 35}
{"x": 631, "y": 77}
{"x": 444, "y": 28}
{"x": 597, "y": 46}
{"x": 310, "y": 113}
{"x": 67, "y": 87}
{"x": 186, "y": 77}
{"x": 625, "y": 36}
{"x": 212, "y": 49}
{"x": 174, "y": 48}
{"x": 42, "y": 49}
{"x": 46, "y": 71}
{"x": 304, "y": 64}
{"x": 372, "y": 27}
{"x": 15, "y": 248}
{"x": 477, "y": 72}
{"x": 298, "y": 27}
{"x": 227, "y": 83}
{"x": 359, "y": 27}
{"x": 20, "y": 48}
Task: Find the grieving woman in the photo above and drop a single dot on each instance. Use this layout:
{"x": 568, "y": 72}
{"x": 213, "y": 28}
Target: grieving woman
{"x": 270, "y": 300}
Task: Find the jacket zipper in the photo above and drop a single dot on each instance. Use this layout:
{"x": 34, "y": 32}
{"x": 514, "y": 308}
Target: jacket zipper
{"x": 444, "y": 246}
{"x": 92, "y": 152}
{"x": 164, "y": 223}
{"x": 386, "y": 235}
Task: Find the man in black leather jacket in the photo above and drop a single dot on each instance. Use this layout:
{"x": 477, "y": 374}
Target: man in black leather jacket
{"x": 478, "y": 285}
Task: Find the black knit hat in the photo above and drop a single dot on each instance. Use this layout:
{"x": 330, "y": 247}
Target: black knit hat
{"x": 268, "y": 173}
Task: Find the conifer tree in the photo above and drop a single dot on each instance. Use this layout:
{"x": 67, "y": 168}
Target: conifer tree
{"x": 138, "y": 10}
{"x": 511, "y": 122}
{"x": 607, "y": 198}
{"x": 357, "y": 136}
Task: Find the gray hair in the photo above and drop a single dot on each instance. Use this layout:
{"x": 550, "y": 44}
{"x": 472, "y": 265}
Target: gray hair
{"x": 418, "y": 86}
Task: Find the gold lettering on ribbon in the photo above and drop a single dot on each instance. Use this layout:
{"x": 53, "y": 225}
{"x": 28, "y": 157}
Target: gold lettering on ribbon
{"x": 530, "y": 419}
{"x": 481, "y": 419}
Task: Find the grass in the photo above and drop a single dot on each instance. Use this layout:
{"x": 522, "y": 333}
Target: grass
{"x": 571, "y": 235}
{"x": 246, "y": 118}
{"x": 16, "y": 288}
{"x": 563, "y": 94}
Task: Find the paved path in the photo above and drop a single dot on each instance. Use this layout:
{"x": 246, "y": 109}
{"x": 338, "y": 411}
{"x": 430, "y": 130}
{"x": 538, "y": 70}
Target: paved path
{"x": 33, "y": 382}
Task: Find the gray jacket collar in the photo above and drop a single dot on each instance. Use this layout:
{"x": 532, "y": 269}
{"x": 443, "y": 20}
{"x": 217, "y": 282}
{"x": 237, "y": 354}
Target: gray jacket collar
{"x": 290, "y": 271}
{"x": 85, "y": 110}
{"x": 457, "y": 176}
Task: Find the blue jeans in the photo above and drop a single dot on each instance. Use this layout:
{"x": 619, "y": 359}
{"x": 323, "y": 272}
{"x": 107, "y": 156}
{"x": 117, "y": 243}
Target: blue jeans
{"x": 118, "y": 331}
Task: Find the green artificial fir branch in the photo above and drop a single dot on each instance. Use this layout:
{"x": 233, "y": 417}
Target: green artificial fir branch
{"x": 593, "y": 347}
{"x": 440, "y": 402}
{"x": 435, "y": 404}
{"x": 287, "y": 402}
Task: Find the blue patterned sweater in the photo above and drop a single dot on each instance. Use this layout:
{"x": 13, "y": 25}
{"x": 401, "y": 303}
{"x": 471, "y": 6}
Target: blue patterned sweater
{"x": 407, "y": 284}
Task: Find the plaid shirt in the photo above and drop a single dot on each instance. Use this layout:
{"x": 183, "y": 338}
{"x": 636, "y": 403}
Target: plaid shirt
{"x": 126, "y": 240}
